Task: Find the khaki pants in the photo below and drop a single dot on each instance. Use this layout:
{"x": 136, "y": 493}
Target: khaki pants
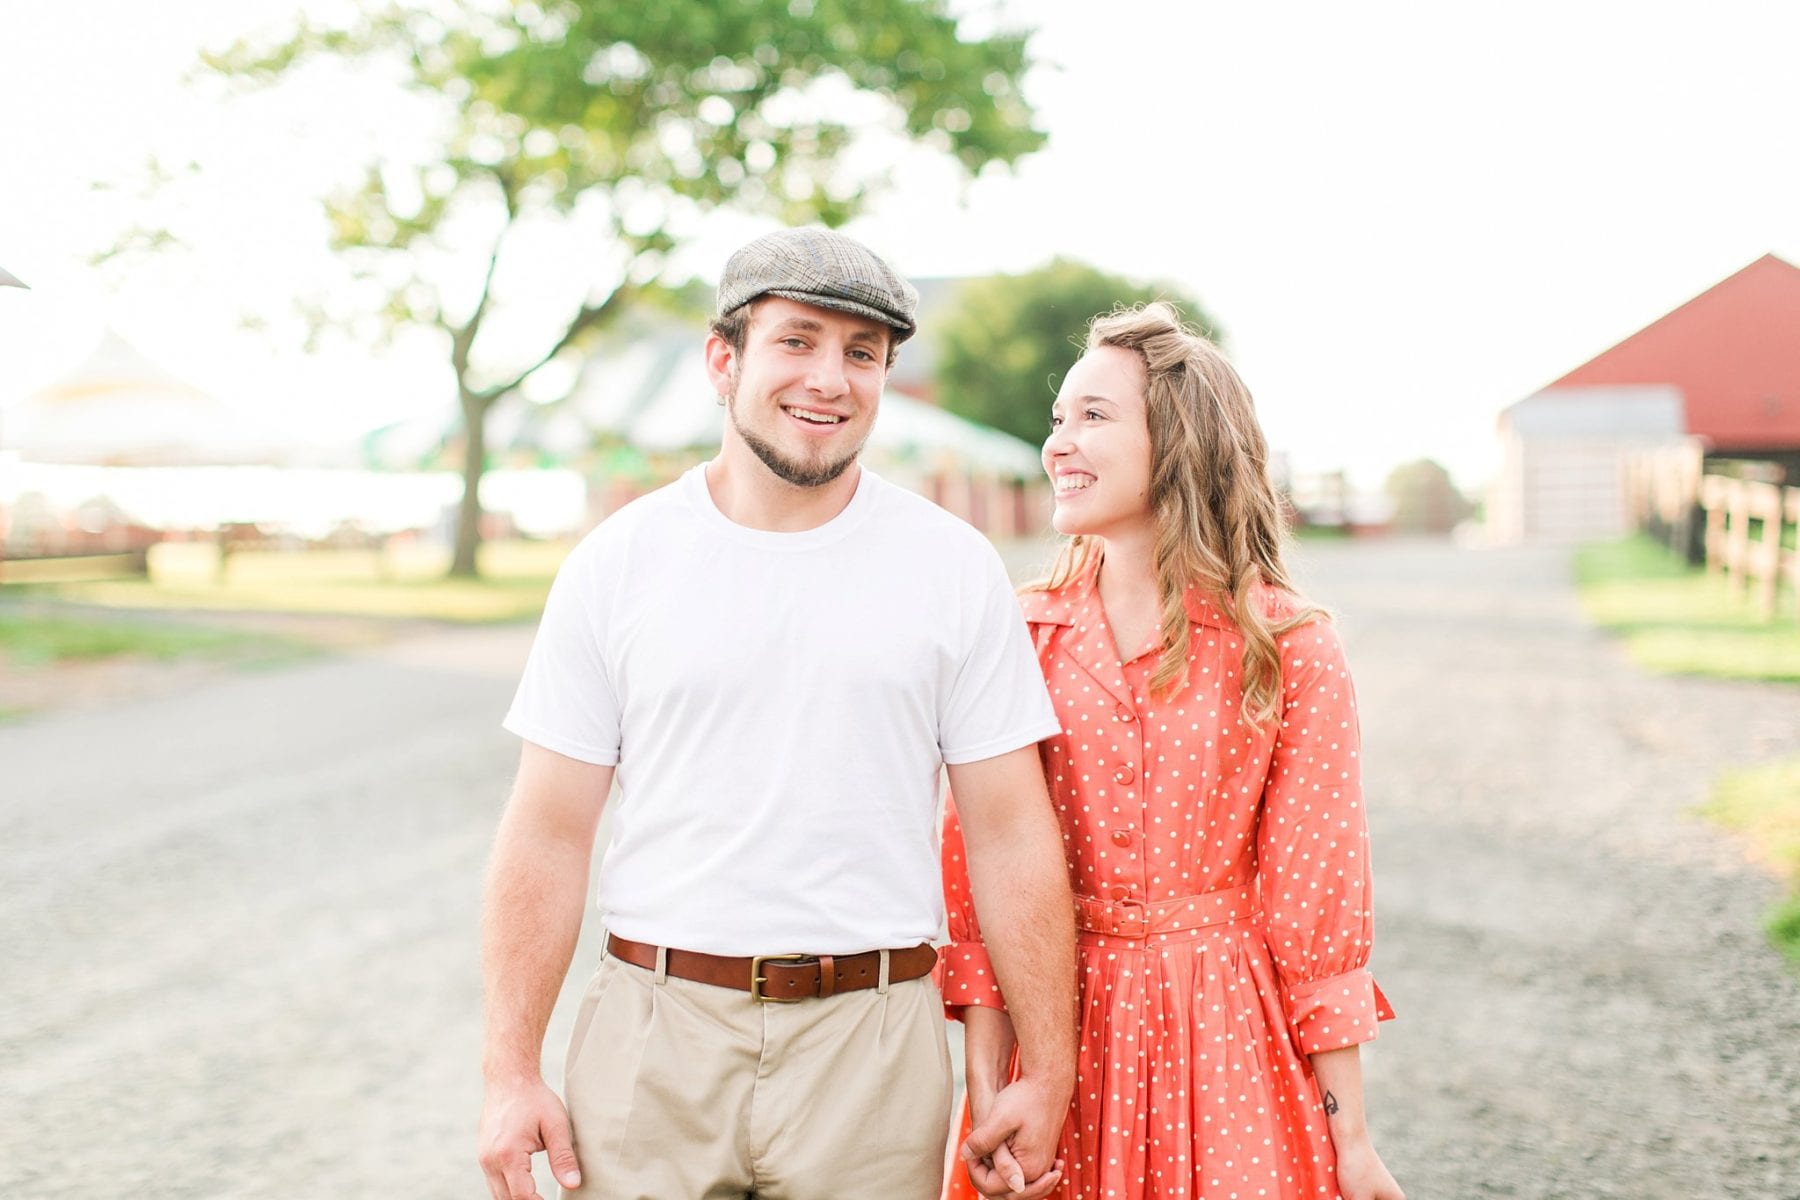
{"x": 684, "y": 1091}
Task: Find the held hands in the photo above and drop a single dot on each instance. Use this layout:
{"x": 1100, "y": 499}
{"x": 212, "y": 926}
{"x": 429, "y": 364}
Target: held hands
{"x": 1011, "y": 1150}
{"x": 518, "y": 1119}
{"x": 1015, "y": 1126}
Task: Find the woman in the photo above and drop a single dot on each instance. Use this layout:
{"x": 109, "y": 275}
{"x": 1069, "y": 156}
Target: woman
{"x": 1207, "y": 782}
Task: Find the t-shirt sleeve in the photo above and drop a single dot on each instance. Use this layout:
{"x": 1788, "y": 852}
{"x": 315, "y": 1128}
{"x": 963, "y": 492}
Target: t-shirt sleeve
{"x": 998, "y": 701}
{"x": 565, "y": 700}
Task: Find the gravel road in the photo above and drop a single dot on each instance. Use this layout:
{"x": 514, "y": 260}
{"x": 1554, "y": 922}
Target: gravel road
{"x": 239, "y": 919}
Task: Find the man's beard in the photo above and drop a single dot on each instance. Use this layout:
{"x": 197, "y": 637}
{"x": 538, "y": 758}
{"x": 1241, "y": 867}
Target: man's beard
{"x": 788, "y": 470}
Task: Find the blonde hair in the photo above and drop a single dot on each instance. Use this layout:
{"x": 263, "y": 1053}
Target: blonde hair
{"x": 1217, "y": 518}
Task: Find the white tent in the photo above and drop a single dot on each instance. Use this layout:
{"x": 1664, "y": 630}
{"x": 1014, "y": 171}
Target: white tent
{"x": 652, "y": 394}
{"x": 655, "y": 395}
{"x": 119, "y": 408}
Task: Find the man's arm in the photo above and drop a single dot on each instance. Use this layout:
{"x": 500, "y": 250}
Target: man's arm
{"x": 1027, "y": 914}
{"x": 531, "y": 916}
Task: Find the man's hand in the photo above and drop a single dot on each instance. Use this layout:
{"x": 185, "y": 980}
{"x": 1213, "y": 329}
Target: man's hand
{"x": 531, "y": 915}
{"x": 1011, "y": 1150}
{"x": 988, "y": 1046}
{"x": 518, "y": 1120}
{"x": 1021, "y": 890}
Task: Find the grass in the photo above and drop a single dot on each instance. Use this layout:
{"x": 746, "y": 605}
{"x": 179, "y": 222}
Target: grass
{"x": 405, "y": 582}
{"x": 29, "y": 639}
{"x": 1763, "y": 803}
{"x": 35, "y": 642}
{"x": 154, "y": 618}
{"x": 1677, "y": 619}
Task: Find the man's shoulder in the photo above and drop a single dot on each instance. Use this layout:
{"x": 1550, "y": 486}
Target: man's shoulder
{"x": 906, "y": 513}
{"x": 627, "y": 522}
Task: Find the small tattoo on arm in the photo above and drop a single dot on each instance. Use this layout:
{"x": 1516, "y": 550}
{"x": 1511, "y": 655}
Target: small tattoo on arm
{"x": 1331, "y": 1105}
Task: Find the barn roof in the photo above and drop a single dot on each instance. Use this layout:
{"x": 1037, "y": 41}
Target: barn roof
{"x": 1734, "y": 353}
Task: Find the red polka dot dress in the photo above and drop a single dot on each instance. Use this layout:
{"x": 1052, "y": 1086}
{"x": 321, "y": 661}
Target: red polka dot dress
{"x": 1221, "y": 875}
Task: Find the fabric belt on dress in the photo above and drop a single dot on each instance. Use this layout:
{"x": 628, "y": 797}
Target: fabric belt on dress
{"x": 782, "y": 978}
{"x": 1135, "y": 919}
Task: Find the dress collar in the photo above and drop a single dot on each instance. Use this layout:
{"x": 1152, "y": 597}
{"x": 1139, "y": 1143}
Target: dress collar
{"x": 1064, "y": 605}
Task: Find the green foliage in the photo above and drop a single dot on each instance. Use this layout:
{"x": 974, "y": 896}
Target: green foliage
{"x": 1677, "y": 619}
{"x": 1783, "y": 924}
{"x": 1680, "y": 620}
{"x": 1426, "y": 499}
{"x": 1007, "y": 339}
{"x": 622, "y": 121}
{"x": 34, "y": 639}
{"x": 1763, "y": 803}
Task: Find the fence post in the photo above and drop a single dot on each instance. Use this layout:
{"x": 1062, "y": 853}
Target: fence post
{"x": 1714, "y": 499}
{"x": 1737, "y": 538}
{"x": 1685, "y": 512}
{"x": 1763, "y": 558}
{"x": 1790, "y": 559}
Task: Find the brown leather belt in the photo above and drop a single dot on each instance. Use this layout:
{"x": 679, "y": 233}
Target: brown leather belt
{"x": 782, "y": 978}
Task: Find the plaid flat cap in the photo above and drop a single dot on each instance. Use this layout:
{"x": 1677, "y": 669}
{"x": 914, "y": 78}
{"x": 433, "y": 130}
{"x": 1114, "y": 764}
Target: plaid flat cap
{"x": 819, "y": 266}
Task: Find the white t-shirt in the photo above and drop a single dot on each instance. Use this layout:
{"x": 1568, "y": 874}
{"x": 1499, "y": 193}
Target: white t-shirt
{"x": 779, "y": 705}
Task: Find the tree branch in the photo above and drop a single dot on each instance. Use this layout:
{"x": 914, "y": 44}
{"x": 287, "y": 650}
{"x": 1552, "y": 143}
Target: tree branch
{"x": 589, "y": 316}
{"x": 462, "y": 339}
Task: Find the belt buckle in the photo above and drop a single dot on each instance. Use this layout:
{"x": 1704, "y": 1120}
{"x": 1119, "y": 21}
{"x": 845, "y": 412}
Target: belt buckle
{"x": 1130, "y": 919}
{"x": 757, "y": 978}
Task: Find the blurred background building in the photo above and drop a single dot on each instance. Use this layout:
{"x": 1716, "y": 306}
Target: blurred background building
{"x": 1718, "y": 376}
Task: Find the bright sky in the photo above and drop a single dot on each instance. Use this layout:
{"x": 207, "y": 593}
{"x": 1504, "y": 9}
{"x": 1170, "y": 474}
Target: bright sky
{"x": 1407, "y": 216}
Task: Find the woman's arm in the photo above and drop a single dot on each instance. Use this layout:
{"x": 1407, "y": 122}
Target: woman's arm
{"x": 1361, "y": 1173}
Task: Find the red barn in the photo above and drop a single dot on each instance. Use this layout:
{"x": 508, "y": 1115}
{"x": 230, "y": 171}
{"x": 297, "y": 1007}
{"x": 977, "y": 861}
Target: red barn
{"x": 1724, "y": 369}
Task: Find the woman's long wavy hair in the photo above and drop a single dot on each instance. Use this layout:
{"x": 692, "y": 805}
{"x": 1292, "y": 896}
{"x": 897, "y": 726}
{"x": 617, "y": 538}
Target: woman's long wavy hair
{"x": 1218, "y": 520}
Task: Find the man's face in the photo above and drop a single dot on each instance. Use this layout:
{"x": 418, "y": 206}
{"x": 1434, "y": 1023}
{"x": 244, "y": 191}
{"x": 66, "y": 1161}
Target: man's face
{"x": 804, "y": 392}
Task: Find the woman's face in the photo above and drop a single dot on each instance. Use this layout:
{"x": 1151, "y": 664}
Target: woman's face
{"x": 1098, "y": 451}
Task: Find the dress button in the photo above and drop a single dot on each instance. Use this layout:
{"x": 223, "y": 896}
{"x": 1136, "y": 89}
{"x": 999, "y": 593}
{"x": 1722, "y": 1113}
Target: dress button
{"x": 1124, "y": 775}
{"x": 1124, "y": 714}
{"x": 1121, "y": 838}
{"x": 1121, "y": 892}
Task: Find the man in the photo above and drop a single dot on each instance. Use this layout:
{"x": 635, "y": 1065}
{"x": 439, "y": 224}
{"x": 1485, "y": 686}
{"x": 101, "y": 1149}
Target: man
{"x": 775, "y": 654}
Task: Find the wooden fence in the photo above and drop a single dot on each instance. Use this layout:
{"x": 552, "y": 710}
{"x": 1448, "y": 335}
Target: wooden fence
{"x": 70, "y": 568}
{"x": 1749, "y": 537}
{"x": 1745, "y": 526}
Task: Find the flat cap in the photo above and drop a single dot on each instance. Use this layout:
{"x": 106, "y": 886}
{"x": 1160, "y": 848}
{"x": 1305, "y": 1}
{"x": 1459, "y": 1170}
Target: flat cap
{"x": 822, "y": 267}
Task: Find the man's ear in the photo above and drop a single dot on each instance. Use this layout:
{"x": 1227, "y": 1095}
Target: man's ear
{"x": 721, "y": 363}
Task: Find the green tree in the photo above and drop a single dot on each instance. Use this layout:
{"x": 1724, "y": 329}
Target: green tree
{"x": 579, "y": 143}
{"x": 1007, "y": 339}
{"x": 1426, "y": 499}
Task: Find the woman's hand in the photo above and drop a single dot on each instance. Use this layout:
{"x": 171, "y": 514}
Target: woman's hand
{"x": 1362, "y": 1175}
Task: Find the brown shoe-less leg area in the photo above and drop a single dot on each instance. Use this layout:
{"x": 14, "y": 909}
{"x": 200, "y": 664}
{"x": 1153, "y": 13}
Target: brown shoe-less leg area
{"x": 853, "y": 1097}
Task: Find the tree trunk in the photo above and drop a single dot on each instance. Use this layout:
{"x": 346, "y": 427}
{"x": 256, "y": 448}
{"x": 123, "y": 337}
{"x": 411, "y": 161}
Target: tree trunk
{"x": 468, "y": 513}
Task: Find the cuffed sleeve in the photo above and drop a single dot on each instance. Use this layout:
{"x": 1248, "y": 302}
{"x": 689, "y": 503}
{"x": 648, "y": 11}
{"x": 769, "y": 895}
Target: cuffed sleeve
{"x": 964, "y": 974}
{"x": 1313, "y": 851}
{"x": 1338, "y": 1011}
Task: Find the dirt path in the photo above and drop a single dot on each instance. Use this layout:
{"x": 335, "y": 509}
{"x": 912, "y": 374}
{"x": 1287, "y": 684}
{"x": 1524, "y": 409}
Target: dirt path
{"x": 1588, "y": 1006}
{"x": 240, "y": 917}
